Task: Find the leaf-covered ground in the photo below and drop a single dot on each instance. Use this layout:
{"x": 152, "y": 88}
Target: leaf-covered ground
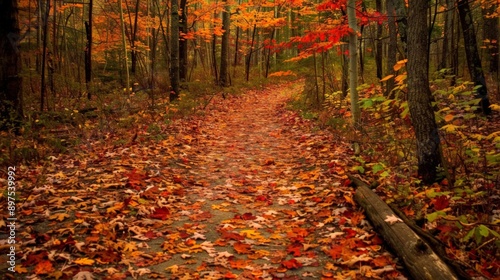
{"x": 247, "y": 190}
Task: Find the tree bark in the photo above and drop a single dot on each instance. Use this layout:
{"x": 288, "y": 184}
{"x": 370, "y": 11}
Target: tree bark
{"x": 353, "y": 63}
{"x": 491, "y": 35}
{"x": 124, "y": 49}
{"x": 224, "y": 54}
{"x": 472, "y": 54}
{"x": 183, "y": 43}
{"x": 174, "y": 51}
{"x": 392, "y": 48}
{"x": 418, "y": 257}
{"x": 447, "y": 35}
{"x": 419, "y": 94}
{"x": 88, "y": 52}
{"x": 378, "y": 44}
{"x": 133, "y": 38}
{"x": 43, "y": 94}
{"x": 11, "y": 102}
{"x": 401, "y": 21}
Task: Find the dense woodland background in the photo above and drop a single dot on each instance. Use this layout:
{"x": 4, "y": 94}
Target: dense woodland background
{"x": 414, "y": 85}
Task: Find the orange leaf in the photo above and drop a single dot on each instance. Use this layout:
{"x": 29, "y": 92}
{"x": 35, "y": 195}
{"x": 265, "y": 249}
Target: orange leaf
{"x": 242, "y": 248}
{"x": 449, "y": 117}
{"x": 44, "y": 267}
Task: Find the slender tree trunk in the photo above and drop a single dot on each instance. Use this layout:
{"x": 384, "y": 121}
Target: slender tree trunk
{"x": 236, "y": 47}
{"x": 491, "y": 35}
{"x": 11, "y": 102}
{"x": 43, "y": 94}
{"x": 401, "y": 20}
{"x": 183, "y": 43}
{"x": 124, "y": 49}
{"x": 392, "y": 48}
{"x": 133, "y": 38}
{"x": 455, "y": 39}
{"x": 40, "y": 21}
{"x": 224, "y": 54}
{"x": 345, "y": 72}
{"x": 213, "y": 52}
{"x": 268, "y": 57}
{"x": 472, "y": 54}
{"x": 88, "y": 52}
{"x": 419, "y": 94}
{"x": 248, "y": 59}
{"x": 353, "y": 64}
{"x": 378, "y": 43}
{"x": 447, "y": 35}
{"x": 174, "y": 51}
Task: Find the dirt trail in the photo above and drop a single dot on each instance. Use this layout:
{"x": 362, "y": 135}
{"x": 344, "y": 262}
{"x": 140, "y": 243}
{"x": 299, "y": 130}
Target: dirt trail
{"x": 249, "y": 190}
{"x": 271, "y": 200}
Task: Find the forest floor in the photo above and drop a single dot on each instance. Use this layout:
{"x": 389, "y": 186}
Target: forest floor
{"x": 245, "y": 190}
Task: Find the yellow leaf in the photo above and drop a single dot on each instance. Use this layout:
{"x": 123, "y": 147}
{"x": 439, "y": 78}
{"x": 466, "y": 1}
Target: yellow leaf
{"x": 59, "y": 216}
{"x": 450, "y": 128}
{"x": 330, "y": 266}
{"x": 173, "y": 269}
{"x": 84, "y": 261}
{"x": 130, "y": 247}
{"x": 386, "y": 78}
{"x": 449, "y": 117}
{"x": 21, "y": 269}
{"x": 495, "y": 107}
{"x": 250, "y": 233}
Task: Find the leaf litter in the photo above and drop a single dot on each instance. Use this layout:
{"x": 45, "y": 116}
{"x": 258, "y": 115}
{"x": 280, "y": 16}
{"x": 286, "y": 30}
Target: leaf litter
{"x": 247, "y": 190}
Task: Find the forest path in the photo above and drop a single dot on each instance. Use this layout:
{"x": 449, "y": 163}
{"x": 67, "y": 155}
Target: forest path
{"x": 268, "y": 198}
{"x": 247, "y": 190}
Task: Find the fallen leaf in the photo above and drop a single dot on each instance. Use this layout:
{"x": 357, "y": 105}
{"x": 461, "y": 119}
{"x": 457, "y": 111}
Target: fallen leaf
{"x": 392, "y": 219}
{"x": 84, "y": 261}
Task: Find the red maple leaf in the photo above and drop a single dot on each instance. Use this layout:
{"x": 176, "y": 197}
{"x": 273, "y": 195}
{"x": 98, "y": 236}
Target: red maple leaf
{"x": 135, "y": 180}
{"x": 248, "y": 216}
{"x": 160, "y": 213}
{"x": 295, "y": 249}
{"x": 336, "y": 251}
{"x": 291, "y": 264}
{"x": 441, "y": 202}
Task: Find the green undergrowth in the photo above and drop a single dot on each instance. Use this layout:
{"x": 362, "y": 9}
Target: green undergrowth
{"x": 461, "y": 209}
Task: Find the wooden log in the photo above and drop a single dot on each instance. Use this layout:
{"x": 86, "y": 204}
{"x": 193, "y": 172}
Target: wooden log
{"x": 419, "y": 259}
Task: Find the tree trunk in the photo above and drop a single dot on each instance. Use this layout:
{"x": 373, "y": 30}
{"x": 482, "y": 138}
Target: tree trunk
{"x": 88, "y": 52}
{"x": 133, "y": 38}
{"x": 11, "y": 105}
{"x": 419, "y": 258}
{"x": 472, "y": 54}
{"x": 43, "y": 94}
{"x": 378, "y": 43}
{"x": 353, "y": 63}
{"x": 183, "y": 43}
{"x": 248, "y": 59}
{"x": 447, "y": 35}
{"x": 419, "y": 94}
{"x": 224, "y": 54}
{"x": 174, "y": 51}
{"x": 124, "y": 49}
{"x": 491, "y": 35}
{"x": 392, "y": 48}
{"x": 401, "y": 20}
